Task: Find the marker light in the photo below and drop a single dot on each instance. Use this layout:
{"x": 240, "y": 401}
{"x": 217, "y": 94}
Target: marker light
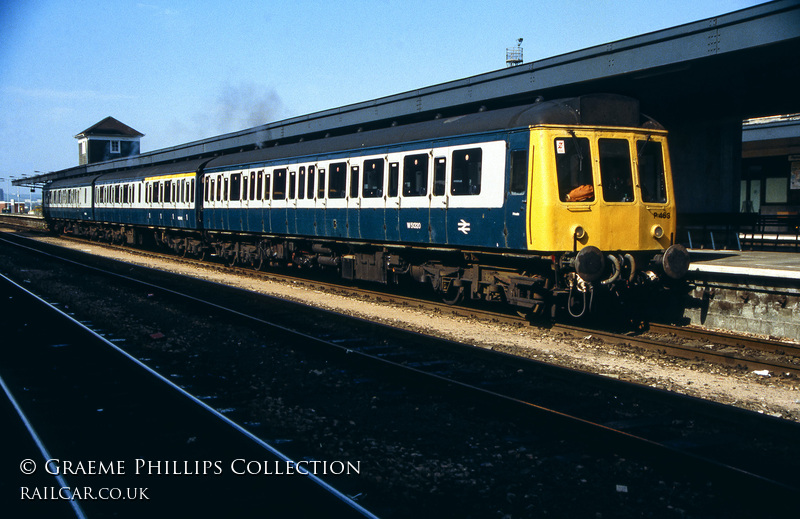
{"x": 657, "y": 231}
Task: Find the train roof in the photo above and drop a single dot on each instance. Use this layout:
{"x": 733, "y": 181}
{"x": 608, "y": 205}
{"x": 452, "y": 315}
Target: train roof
{"x": 595, "y": 110}
{"x": 592, "y": 110}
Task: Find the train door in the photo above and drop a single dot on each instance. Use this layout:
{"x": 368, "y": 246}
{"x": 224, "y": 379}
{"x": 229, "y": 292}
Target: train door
{"x": 437, "y": 222}
{"x": 373, "y": 202}
{"x": 393, "y": 199}
{"x": 320, "y": 201}
{"x": 291, "y": 210}
{"x": 516, "y": 190}
{"x": 415, "y": 203}
{"x": 337, "y": 204}
{"x": 354, "y": 201}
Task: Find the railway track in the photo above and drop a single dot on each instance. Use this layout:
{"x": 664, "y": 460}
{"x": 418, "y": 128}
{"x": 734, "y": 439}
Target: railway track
{"x": 124, "y": 438}
{"x": 721, "y": 443}
{"x": 779, "y": 358}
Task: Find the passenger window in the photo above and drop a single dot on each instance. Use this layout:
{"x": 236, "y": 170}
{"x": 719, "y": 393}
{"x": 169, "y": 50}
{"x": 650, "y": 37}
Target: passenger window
{"x": 337, "y": 183}
{"x": 372, "y": 186}
{"x": 466, "y": 177}
{"x": 519, "y": 172}
{"x": 321, "y": 186}
{"x": 415, "y": 175}
{"x": 279, "y": 184}
{"x": 439, "y": 176}
{"x": 651, "y": 172}
{"x": 354, "y": 181}
{"x": 301, "y": 183}
{"x": 310, "y": 192}
{"x": 394, "y": 178}
{"x": 615, "y": 170}
{"x": 574, "y": 170}
{"x": 236, "y": 187}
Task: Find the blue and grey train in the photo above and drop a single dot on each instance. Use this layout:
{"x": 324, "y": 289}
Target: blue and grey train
{"x": 540, "y": 206}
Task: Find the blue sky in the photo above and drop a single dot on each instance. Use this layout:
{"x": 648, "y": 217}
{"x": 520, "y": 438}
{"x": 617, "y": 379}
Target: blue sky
{"x": 179, "y": 70}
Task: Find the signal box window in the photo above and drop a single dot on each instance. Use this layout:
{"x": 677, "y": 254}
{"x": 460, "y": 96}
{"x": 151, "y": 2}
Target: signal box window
{"x": 651, "y": 172}
{"x": 466, "y": 172}
{"x": 574, "y": 170}
{"x": 415, "y": 175}
{"x": 615, "y": 170}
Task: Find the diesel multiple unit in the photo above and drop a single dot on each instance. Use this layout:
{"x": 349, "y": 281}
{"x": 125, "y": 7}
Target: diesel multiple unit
{"x": 540, "y": 206}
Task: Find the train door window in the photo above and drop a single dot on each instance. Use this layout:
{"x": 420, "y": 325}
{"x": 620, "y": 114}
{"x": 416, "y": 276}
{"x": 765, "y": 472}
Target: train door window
{"x": 157, "y": 192}
{"x": 651, "y": 172}
{"x": 354, "y": 181}
{"x": 301, "y": 183}
{"x": 310, "y": 182}
{"x": 279, "y": 184}
{"x": 219, "y": 188}
{"x": 439, "y": 176}
{"x": 519, "y": 172}
{"x": 139, "y": 192}
{"x": 321, "y": 184}
{"x": 466, "y": 175}
{"x": 292, "y": 185}
{"x": 245, "y": 184}
{"x": 337, "y": 183}
{"x": 574, "y": 169}
{"x": 267, "y": 185}
{"x": 236, "y": 187}
{"x": 169, "y": 191}
{"x": 125, "y": 195}
{"x": 615, "y": 170}
{"x": 394, "y": 178}
{"x": 191, "y": 191}
{"x": 260, "y": 185}
{"x": 415, "y": 175}
{"x": 372, "y": 185}
{"x": 253, "y": 189}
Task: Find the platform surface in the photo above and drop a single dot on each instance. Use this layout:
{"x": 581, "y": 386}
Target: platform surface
{"x": 784, "y": 265}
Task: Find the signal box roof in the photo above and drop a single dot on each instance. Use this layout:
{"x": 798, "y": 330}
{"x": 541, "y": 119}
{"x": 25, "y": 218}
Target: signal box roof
{"x": 109, "y": 127}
